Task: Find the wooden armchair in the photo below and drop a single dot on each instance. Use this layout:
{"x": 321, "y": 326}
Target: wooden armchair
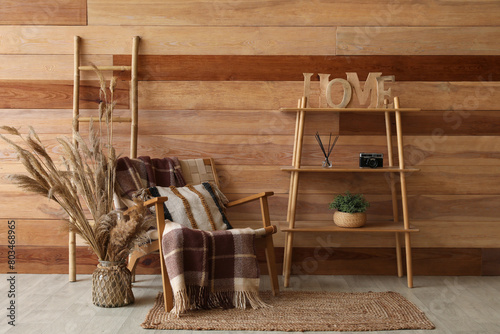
{"x": 196, "y": 171}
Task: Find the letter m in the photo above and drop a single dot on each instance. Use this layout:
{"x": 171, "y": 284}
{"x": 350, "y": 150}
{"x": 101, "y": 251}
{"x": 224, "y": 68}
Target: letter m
{"x": 369, "y": 90}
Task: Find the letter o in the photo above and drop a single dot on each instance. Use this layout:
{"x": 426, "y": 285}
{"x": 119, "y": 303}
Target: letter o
{"x": 347, "y": 93}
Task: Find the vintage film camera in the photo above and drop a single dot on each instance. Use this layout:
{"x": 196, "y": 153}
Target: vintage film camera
{"x": 372, "y": 160}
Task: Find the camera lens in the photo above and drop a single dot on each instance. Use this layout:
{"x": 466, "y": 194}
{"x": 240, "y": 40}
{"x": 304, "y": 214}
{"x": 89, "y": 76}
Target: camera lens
{"x": 372, "y": 163}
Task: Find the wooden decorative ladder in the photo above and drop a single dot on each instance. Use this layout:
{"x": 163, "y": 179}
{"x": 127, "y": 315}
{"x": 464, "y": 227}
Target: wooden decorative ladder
{"x": 133, "y": 119}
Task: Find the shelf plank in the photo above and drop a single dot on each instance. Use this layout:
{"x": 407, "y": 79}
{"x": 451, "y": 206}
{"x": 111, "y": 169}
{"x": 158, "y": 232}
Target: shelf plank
{"x": 319, "y": 169}
{"x": 374, "y": 226}
{"x": 369, "y": 110}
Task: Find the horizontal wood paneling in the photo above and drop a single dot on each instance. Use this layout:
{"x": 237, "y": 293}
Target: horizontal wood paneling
{"x": 337, "y": 261}
{"x": 272, "y": 95}
{"x": 451, "y": 150}
{"x": 448, "y": 122}
{"x": 491, "y": 258}
{"x": 252, "y": 40}
{"x": 449, "y": 262}
{"x": 290, "y": 68}
{"x": 217, "y": 122}
{"x": 276, "y": 150}
{"x": 433, "y": 233}
{"x": 465, "y": 208}
{"x": 47, "y": 67}
{"x": 467, "y": 180}
{"x": 248, "y": 95}
{"x": 464, "y": 234}
{"x": 443, "y": 234}
{"x": 48, "y": 260}
{"x": 437, "y": 208}
{"x": 170, "y": 40}
{"x": 365, "y": 40}
{"x": 16, "y": 206}
{"x": 421, "y": 207}
{"x": 382, "y": 261}
{"x": 46, "y": 94}
{"x": 285, "y": 13}
{"x": 213, "y": 76}
{"x": 43, "y": 12}
{"x": 239, "y": 179}
{"x": 55, "y": 121}
{"x": 259, "y": 122}
{"x": 37, "y": 233}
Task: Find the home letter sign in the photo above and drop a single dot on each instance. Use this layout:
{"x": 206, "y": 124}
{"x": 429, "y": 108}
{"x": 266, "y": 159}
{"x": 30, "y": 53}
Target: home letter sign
{"x": 371, "y": 95}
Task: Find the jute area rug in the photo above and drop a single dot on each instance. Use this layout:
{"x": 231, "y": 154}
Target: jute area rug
{"x": 300, "y": 311}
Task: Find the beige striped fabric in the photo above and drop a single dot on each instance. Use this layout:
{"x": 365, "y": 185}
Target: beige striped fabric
{"x": 194, "y": 206}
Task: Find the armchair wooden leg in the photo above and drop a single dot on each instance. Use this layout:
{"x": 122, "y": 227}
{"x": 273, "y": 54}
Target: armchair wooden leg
{"x": 271, "y": 265}
{"x": 168, "y": 296}
{"x": 132, "y": 263}
{"x": 269, "y": 247}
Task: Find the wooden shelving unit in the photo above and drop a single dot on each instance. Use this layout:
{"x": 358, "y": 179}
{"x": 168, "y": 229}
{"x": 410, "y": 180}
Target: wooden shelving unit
{"x": 395, "y": 226}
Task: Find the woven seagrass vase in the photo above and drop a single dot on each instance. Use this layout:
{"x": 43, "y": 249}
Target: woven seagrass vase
{"x": 343, "y": 219}
{"x": 112, "y": 285}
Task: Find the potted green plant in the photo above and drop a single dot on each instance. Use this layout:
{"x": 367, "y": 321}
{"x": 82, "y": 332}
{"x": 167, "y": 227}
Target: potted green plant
{"x": 351, "y": 209}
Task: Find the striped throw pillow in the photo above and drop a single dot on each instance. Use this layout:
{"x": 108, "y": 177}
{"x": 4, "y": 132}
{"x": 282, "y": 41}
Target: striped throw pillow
{"x": 199, "y": 207}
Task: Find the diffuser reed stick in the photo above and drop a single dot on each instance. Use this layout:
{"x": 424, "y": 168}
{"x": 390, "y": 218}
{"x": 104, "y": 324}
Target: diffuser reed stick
{"x": 329, "y": 149}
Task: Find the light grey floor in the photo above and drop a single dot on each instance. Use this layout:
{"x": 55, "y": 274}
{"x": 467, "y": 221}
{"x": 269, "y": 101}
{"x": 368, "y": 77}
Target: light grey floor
{"x": 50, "y": 304}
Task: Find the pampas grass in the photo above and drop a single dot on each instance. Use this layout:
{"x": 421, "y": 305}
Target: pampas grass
{"x": 87, "y": 181}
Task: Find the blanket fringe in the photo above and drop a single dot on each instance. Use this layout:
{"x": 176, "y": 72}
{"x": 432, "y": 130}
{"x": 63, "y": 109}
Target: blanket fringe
{"x": 195, "y": 297}
{"x": 181, "y": 302}
{"x": 241, "y": 298}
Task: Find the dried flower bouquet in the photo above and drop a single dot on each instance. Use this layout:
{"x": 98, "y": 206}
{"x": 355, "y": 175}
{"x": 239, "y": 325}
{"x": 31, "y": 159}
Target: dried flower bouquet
{"x": 88, "y": 177}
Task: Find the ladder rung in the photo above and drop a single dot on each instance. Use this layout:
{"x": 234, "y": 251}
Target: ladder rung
{"x": 114, "y": 119}
{"x": 105, "y": 68}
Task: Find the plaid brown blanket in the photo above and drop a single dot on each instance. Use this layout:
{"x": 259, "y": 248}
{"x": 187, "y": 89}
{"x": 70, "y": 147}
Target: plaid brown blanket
{"x": 163, "y": 172}
{"x": 133, "y": 175}
{"x": 211, "y": 269}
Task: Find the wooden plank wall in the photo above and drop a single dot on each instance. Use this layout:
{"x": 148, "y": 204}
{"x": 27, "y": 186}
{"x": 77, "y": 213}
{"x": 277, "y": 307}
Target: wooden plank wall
{"x": 213, "y": 75}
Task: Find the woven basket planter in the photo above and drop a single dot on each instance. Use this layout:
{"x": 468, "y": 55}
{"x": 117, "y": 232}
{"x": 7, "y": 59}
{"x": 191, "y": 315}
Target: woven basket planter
{"x": 343, "y": 219}
{"x": 112, "y": 285}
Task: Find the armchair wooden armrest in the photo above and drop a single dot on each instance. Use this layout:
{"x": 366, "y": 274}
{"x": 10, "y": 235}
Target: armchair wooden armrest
{"x": 148, "y": 203}
{"x": 264, "y": 206}
{"x": 250, "y": 198}
{"x": 155, "y": 200}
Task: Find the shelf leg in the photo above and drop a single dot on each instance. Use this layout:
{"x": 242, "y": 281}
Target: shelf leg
{"x": 404, "y": 199}
{"x": 294, "y": 185}
{"x": 294, "y": 159}
{"x": 287, "y": 262}
{"x": 409, "y": 268}
{"x": 399, "y": 259}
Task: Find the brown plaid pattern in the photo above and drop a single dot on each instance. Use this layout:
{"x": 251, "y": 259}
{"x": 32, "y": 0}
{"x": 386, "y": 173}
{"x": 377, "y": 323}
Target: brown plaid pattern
{"x": 133, "y": 175}
{"x": 210, "y": 269}
{"x": 163, "y": 172}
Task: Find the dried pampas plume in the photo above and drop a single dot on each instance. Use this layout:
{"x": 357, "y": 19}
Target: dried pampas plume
{"x": 85, "y": 179}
